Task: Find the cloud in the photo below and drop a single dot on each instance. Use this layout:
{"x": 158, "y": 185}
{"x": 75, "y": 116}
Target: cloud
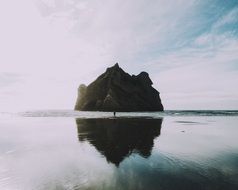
{"x": 227, "y": 22}
{"x": 188, "y": 48}
{"x": 120, "y": 30}
{"x": 7, "y": 79}
{"x": 202, "y": 75}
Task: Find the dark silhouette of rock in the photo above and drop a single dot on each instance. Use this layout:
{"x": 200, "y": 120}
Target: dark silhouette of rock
{"x": 118, "y": 138}
{"x": 116, "y": 90}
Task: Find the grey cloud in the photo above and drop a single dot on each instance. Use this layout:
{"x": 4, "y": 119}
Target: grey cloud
{"x": 7, "y": 79}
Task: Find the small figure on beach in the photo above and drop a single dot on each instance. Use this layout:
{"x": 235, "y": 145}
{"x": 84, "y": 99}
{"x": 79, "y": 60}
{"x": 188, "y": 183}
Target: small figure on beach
{"x": 114, "y": 113}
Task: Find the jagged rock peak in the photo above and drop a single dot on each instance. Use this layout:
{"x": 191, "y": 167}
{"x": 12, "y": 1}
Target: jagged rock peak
{"x": 114, "y": 68}
{"x": 116, "y": 65}
{"x": 116, "y": 90}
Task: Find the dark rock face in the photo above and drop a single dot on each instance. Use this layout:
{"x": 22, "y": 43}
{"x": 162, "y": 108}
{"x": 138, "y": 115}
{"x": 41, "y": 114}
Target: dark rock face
{"x": 116, "y": 90}
{"x": 118, "y": 138}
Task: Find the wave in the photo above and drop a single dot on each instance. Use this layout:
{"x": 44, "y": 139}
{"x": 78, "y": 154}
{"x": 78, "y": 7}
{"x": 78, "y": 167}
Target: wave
{"x": 97, "y": 114}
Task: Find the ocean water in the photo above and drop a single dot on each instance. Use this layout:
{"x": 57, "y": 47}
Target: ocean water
{"x": 68, "y": 150}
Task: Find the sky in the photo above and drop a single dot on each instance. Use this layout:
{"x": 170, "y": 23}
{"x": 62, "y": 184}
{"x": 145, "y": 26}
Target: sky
{"x": 49, "y": 47}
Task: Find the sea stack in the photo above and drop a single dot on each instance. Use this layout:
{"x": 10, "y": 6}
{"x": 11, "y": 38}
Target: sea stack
{"x": 116, "y": 90}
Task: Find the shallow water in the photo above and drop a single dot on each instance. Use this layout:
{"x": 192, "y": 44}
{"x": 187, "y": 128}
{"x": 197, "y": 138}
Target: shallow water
{"x": 93, "y": 150}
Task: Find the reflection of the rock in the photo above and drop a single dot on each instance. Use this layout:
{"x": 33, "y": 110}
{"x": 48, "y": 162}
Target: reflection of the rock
{"x": 119, "y": 137}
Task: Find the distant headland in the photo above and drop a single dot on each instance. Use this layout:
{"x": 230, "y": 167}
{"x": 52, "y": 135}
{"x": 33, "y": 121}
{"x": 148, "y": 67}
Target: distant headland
{"x": 116, "y": 90}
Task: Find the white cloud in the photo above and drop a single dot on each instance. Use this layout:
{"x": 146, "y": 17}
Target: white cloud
{"x": 54, "y": 45}
{"x": 229, "y": 18}
{"x": 199, "y": 78}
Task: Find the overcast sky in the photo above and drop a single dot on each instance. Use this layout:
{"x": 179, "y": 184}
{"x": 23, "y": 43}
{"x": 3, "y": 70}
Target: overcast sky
{"x": 49, "y": 47}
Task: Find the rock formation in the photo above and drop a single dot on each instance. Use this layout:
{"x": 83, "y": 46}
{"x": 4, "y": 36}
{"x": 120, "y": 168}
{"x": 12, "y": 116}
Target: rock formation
{"x": 116, "y": 90}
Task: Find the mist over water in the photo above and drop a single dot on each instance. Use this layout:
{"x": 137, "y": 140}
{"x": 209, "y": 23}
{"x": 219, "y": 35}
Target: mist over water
{"x": 94, "y": 150}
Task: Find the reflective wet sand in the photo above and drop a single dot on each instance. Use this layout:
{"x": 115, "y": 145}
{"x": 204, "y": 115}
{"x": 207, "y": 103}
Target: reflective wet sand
{"x": 119, "y": 153}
